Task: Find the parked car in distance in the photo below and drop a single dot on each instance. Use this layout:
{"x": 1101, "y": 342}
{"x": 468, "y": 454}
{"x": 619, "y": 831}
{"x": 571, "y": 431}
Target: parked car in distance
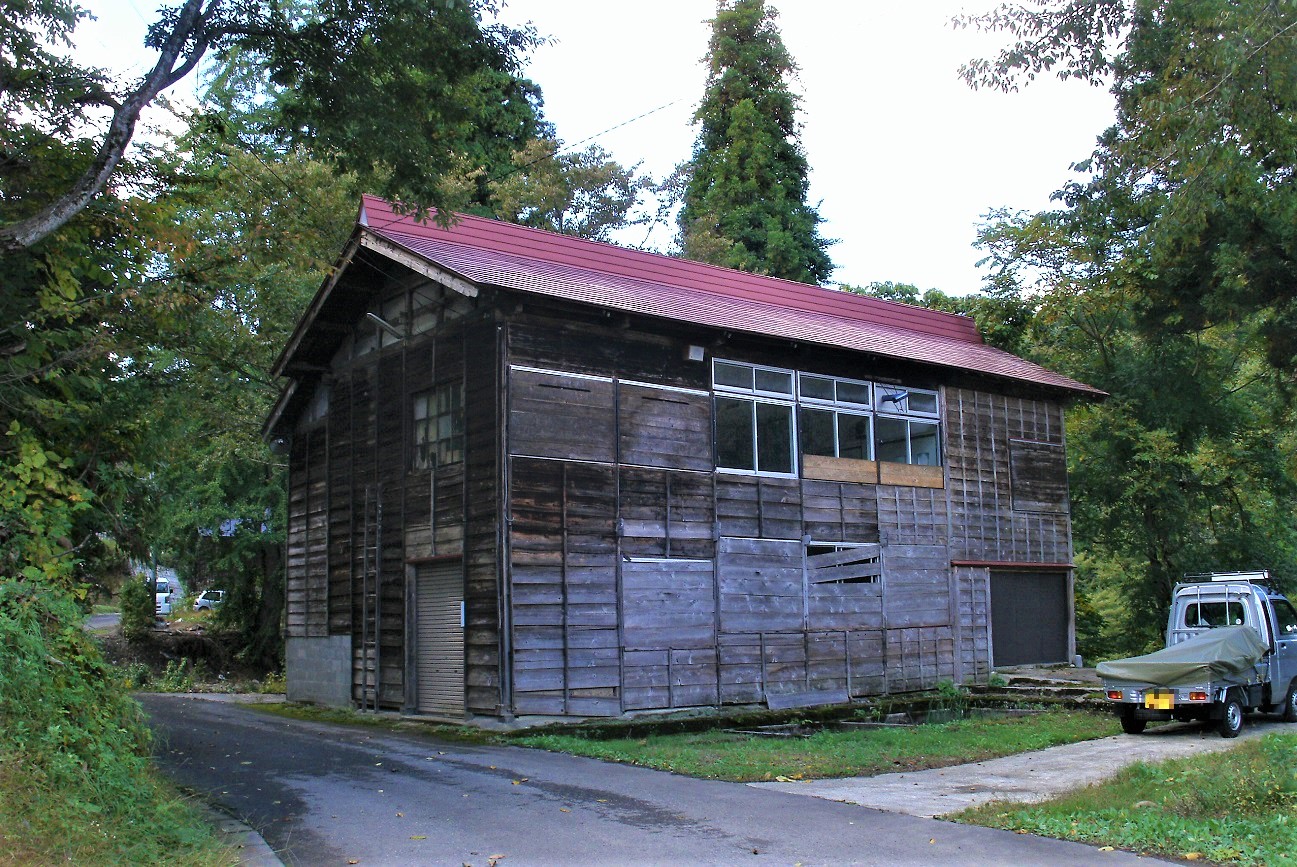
{"x": 209, "y": 599}
{"x": 162, "y": 604}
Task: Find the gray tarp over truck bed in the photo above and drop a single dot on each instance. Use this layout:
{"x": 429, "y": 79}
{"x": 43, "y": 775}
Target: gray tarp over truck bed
{"x": 1224, "y": 653}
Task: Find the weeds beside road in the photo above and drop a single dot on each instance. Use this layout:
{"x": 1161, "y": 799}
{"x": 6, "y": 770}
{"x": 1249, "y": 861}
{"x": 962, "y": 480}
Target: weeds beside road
{"x": 1236, "y": 807}
{"x": 835, "y": 753}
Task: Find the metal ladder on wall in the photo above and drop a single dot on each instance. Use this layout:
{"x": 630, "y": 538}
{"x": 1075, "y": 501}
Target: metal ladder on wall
{"x": 371, "y": 614}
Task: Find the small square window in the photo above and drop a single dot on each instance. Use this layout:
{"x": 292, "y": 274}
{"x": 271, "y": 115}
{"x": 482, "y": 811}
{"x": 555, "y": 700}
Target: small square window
{"x": 853, "y": 392}
{"x": 774, "y": 381}
{"x": 733, "y": 375}
{"x": 816, "y": 387}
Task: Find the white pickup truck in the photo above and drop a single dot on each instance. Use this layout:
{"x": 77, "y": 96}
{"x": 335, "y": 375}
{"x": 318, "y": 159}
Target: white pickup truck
{"x": 1231, "y": 648}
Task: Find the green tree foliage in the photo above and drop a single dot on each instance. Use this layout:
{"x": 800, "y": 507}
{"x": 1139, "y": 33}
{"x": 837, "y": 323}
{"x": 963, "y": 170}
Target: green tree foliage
{"x": 1187, "y": 467}
{"x": 583, "y": 193}
{"x": 393, "y": 91}
{"x": 1192, "y": 185}
{"x": 139, "y": 609}
{"x": 744, "y": 205}
{"x": 1168, "y": 274}
{"x": 1003, "y": 313}
{"x": 76, "y": 782}
{"x": 251, "y": 231}
{"x": 123, "y": 278}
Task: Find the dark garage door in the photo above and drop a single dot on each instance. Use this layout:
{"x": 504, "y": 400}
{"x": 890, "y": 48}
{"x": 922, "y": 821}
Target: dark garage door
{"x": 1029, "y": 617}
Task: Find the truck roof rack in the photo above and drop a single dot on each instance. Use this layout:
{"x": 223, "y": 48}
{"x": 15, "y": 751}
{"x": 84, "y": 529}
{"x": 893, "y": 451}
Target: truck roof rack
{"x": 1256, "y": 576}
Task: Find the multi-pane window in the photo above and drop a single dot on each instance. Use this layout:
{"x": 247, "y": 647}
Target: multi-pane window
{"x": 905, "y": 426}
{"x": 835, "y": 417}
{"x": 754, "y": 418}
{"x": 439, "y": 426}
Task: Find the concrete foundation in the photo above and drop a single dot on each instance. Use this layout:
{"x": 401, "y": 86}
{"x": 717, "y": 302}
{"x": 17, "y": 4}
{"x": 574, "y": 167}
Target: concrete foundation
{"x": 318, "y": 670}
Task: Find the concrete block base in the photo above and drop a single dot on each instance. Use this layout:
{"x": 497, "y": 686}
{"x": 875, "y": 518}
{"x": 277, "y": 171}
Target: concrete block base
{"x": 318, "y": 670}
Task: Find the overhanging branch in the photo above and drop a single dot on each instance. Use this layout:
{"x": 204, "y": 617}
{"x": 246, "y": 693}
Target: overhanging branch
{"x": 172, "y": 66}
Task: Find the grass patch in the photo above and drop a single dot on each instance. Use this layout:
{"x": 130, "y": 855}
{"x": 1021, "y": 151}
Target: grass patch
{"x": 386, "y": 721}
{"x": 726, "y": 756}
{"x": 1236, "y": 807}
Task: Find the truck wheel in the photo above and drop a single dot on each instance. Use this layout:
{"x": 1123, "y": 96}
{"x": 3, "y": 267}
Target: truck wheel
{"x": 1231, "y": 722}
{"x": 1290, "y": 704}
{"x": 1132, "y": 726}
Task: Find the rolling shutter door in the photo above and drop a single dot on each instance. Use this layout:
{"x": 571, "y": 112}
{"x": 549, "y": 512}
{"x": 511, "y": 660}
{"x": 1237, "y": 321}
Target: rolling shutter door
{"x": 439, "y": 641}
{"x": 1029, "y": 622}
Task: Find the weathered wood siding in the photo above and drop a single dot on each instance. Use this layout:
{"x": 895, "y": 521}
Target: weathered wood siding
{"x": 306, "y": 587}
{"x": 469, "y": 505}
{"x": 1007, "y": 478}
{"x": 636, "y": 575}
{"x": 361, "y": 512}
{"x": 705, "y": 590}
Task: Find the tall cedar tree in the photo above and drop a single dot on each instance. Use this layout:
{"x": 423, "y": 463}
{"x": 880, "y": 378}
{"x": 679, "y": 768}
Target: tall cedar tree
{"x": 745, "y": 203}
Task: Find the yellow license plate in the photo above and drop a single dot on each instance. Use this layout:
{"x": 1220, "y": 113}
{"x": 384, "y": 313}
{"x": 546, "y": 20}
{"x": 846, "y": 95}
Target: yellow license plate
{"x": 1159, "y": 699}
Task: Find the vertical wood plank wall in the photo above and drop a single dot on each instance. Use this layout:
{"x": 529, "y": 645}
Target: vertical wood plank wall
{"x": 644, "y": 579}
{"x": 635, "y": 575}
{"x": 346, "y": 574}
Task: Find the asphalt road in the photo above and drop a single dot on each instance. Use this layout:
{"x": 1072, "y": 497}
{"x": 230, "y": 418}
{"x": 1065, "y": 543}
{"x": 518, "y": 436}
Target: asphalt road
{"x": 324, "y": 794}
{"x": 103, "y": 621}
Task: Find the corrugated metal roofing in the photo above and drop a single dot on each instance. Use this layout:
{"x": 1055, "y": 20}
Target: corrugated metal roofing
{"x": 514, "y": 257}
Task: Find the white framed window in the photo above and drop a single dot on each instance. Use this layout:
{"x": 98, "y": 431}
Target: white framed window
{"x": 835, "y": 417}
{"x": 752, "y": 379}
{"x": 754, "y": 418}
{"x": 835, "y": 391}
{"x": 766, "y": 415}
{"x": 906, "y": 428}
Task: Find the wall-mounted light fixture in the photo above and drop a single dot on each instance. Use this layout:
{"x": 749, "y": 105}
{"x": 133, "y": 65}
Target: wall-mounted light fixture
{"x": 695, "y": 353}
{"x": 386, "y": 326}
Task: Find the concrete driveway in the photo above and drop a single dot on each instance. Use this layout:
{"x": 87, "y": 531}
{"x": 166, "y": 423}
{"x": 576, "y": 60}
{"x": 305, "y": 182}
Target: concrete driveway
{"x": 1026, "y": 777}
{"x": 322, "y": 794}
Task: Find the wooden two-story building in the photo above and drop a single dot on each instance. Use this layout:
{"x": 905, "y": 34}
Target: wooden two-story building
{"x": 532, "y": 474}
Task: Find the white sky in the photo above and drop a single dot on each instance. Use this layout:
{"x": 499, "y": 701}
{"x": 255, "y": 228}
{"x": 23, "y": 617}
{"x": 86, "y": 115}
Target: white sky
{"x": 905, "y": 157}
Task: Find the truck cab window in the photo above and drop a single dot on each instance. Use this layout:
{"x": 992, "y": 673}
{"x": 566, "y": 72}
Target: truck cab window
{"x": 1287, "y": 617}
{"x": 1198, "y": 615}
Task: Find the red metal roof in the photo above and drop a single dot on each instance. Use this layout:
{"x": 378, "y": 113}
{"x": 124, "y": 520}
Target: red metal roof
{"x": 490, "y": 252}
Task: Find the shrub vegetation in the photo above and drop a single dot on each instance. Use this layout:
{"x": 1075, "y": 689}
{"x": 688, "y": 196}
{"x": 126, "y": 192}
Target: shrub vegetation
{"x": 76, "y": 782}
